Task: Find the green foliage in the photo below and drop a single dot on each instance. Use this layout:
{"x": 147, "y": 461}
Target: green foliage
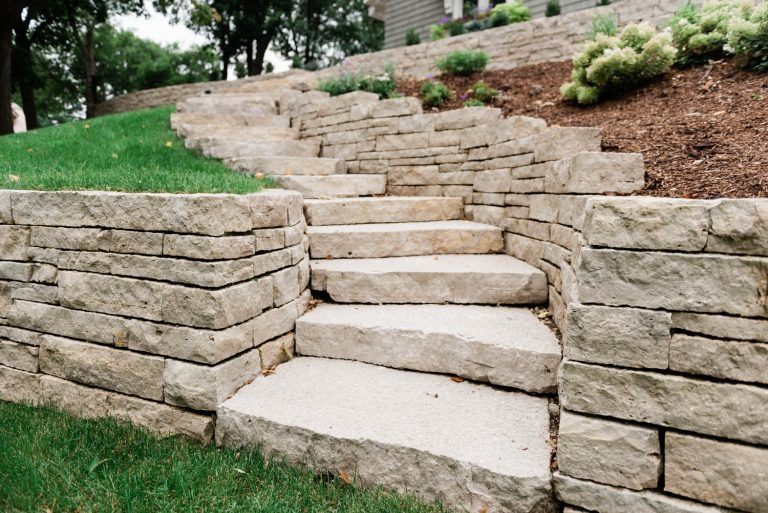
{"x": 474, "y": 103}
{"x": 412, "y": 37}
{"x": 384, "y": 84}
{"x": 483, "y": 92}
{"x": 134, "y": 152}
{"x": 463, "y": 62}
{"x": 615, "y": 63}
{"x": 455, "y": 28}
{"x": 52, "y": 461}
{"x": 701, "y": 34}
{"x": 437, "y": 32}
{"x": 514, "y": 11}
{"x": 553, "y": 8}
{"x": 434, "y": 94}
{"x": 748, "y": 38}
{"x": 601, "y": 3}
{"x": 478, "y": 24}
{"x": 602, "y": 24}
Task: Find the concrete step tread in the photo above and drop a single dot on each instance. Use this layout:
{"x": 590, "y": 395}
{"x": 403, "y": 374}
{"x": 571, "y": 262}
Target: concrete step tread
{"x": 235, "y": 131}
{"x": 193, "y": 118}
{"x": 499, "y": 431}
{"x": 504, "y": 346}
{"x": 225, "y": 148}
{"x": 404, "y": 227}
{"x": 444, "y": 264}
{"x": 288, "y": 166}
{"x": 317, "y": 186}
{"x": 386, "y": 209}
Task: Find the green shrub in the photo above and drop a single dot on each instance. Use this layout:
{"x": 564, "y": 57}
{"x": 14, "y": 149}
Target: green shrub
{"x": 412, "y": 37}
{"x": 553, "y": 8}
{"x": 483, "y": 92}
{"x": 515, "y": 12}
{"x": 434, "y": 94}
{"x": 701, "y": 34}
{"x": 602, "y": 24}
{"x": 748, "y": 37}
{"x": 614, "y": 63}
{"x": 463, "y": 62}
{"x": 455, "y": 28}
{"x": 383, "y": 84}
{"x": 474, "y": 103}
{"x": 601, "y": 3}
{"x": 478, "y": 24}
{"x": 437, "y": 32}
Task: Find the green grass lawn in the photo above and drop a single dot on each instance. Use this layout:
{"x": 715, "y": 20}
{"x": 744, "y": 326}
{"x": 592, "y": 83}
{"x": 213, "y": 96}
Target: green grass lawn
{"x": 51, "y": 462}
{"x": 134, "y": 152}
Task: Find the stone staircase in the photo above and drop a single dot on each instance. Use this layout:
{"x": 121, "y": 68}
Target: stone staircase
{"x": 422, "y": 369}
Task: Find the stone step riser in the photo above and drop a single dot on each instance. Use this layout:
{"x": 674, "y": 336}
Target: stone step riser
{"x": 223, "y": 110}
{"x": 334, "y": 185}
{"x": 187, "y": 118}
{"x": 193, "y": 131}
{"x": 282, "y": 148}
{"x": 286, "y": 166}
{"x": 382, "y": 210}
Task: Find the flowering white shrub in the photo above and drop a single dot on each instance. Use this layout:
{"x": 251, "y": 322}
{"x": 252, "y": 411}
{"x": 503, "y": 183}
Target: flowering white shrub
{"x": 612, "y": 63}
{"x": 748, "y": 37}
{"x": 702, "y": 34}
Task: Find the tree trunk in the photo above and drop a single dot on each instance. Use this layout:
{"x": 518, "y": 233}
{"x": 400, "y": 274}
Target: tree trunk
{"x": 89, "y": 61}
{"x": 249, "y": 63}
{"x": 262, "y": 44}
{"x": 7, "y": 14}
{"x": 23, "y": 64}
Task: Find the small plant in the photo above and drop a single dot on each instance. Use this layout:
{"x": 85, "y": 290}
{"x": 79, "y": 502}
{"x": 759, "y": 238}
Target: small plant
{"x": 601, "y": 3}
{"x": 383, "y": 84}
{"x": 463, "y": 62}
{"x": 484, "y": 93}
{"x": 437, "y": 32}
{"x": 478, "y": 24}
{"x": 412, "y": 37}
{"x": 474, "y": 103}
{"x": 553, "y": 8}
{"x": 455, "y": 28}
{"x": 514, "y": 11}
{"x": 748, "y": 37}
{"x": 602, "y": 24}
{"x": 614, "y": 63}
{"x": 434, "y": 94}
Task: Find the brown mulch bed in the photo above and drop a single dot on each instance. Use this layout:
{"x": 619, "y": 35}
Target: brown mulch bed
{"x": 703, "y": 131}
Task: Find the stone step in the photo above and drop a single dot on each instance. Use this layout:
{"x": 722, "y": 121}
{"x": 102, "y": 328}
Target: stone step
{"x": 236, "y": 132}
{"x": 503, "y": 346}
{"x": 388, "y": 209}
{"x": 334, "y": 185}
{"x": 403, "y": 239}
{"x": 287, "y": 165}
{"x": 457, "y": 279}
{"x": 224, "y": 149}
{"x": 230, "y": 104}
{"x": 193, "y": 118}
{"x": 471, "y": 446}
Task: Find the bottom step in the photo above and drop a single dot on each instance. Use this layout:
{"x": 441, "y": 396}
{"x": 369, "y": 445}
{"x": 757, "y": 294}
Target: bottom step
{"x": 468, "y": 445}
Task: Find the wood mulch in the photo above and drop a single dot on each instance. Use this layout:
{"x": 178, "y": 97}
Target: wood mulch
{"x": 703, "y": 131}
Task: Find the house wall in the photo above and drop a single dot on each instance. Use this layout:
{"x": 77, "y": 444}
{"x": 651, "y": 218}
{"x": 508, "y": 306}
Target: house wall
{"x": 402, "y": 15}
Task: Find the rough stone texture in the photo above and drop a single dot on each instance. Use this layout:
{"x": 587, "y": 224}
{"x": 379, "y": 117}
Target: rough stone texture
{"x": 277, "y": 351}
{"x": 202, "y": 387}
{"x": 18, "y": 356}
{"x": 608, "y": 452}
{"x": 739, "y": 226}
{"x": 381, "y": 210}
{"x": 715, "y": 472}
{"x": 18, "y": 386}
{"x": 314, "y": 411}
{"x": 335, "y": 185}
{"x": 732, "y": 411}
{"x": 503, "y": 346}
{"x": 286, "y": 165}
{"x": 87, "y": 402}
{"x": 103, "y": 367}
{"x": 721, "y": 326}
{"x": 627, "y": 337}
{"x": 609, "y": 499}
{"x": 478, "y": 279}
{"x": 14, "y": 242}
{"x": 277, "y": 321}
{"x": 725, "y": 359}
{"x": 560, "y": 142}
{"x": 403, "y": 239}
{"x": 596, "y": 173}
{"x": 208, "y": 248}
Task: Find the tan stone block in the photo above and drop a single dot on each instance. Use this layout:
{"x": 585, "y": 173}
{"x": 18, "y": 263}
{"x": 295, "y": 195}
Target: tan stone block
{"x": 124, "y": 241}
{"x": 278, "y": 321}
{"x": 277, "y": 351}
{"x": 14, "y": 242}
{"x": 84, "y": 239}
{"x": 208, "y": 248}
{"x": 739, "y": 226}
{"x": 18, "y": 356}
{"x": 467, "y": 117}
{"x": 721, "y": 326}
{"x": 18, "y": 386}
{"x": 597, "y": 173}
{"x": 111, "y": 294}
{"x": 14, "y": 334}
{"x": 725, "y": 359}
{"x": 497, "y": 180}
{"x": 401, "y": 142}
{"x": 560, "y": 142}
{"x": 285, "y": 285}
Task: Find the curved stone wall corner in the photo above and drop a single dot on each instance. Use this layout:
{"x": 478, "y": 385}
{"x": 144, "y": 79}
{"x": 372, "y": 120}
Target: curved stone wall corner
{"x": 153, "y": 308}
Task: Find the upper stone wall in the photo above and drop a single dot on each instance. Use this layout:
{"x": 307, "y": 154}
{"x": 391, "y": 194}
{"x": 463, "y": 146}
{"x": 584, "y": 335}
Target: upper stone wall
{"x": 150, "y": 307}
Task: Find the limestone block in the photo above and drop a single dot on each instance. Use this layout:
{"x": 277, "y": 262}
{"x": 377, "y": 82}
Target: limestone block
{"x": 413, "y": 175}
{"x": 87, "y": 402}
{"x": 18, "y": 386}
{"x": 34, "y": 292}
{"x": 726, "y": 474}
{"x": 14, "y": 242}
{"x": 395, "y": 107}
{"x": 608, "y": 452}
{"x": 721, "y": 326}
{"x": 28, "y": 337}
{"x": 268, "y": 262}
{"x": 526, "y": 186}
{"x": 522, "y": 200}
{"x": 416, "y": 123}
{"x": 597, "y": 173}
{"x": 561, "y": 142}
{"x": 467, "y": 117}
{"x": 674, "y": 281}
{"x": 125, "y": 241}
{"x": 725, "y": 359}
{"x": 532, "y": 229}
{"x": 278, "y": 321}
{"x": 739, "y": 226}
{"x": 514, "y": 127}
{"x": 103, "y": 367}
{"x": 647, "y": 223}
{"x": 203, "y": 387}
{"x": 206, "y": 214}
{"x": 111, "y": 294}
{"x": 401, "y": 142}
{"x": 83, "y": 239}
{"x": 496, "y": 180}
{"x": 5, "y": 207}
{"x": 18, "y": 356}
{"x": 517, "y": 212}
{"x": 625, "y": 337}
{"x": 457, "y": 178}
{"x": 488, "y": 215}
{"x": 277, "y": 351}
{"x": 16, "y": 271}
{"x": 609, "y": 499}
{"x": 488, "y": 198}
{"x": 44, "y": 273}
{"x": 208, "y": 248}
{"x": 732, "y": 411}
{"x": 532, "y": 171}
{"x": 285, "y": 286}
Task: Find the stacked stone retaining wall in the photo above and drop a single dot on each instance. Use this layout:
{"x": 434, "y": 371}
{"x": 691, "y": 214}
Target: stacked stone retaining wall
{"x": 150, "y": 307}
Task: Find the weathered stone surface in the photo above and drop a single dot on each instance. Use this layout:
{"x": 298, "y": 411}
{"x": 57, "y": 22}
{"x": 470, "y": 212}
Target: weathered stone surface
{"x": 608, "y": 499}
{"x": 33, "y": 292}
{"x": 111, "y": 294}
{"x": 465, "y": 118}
{"x": 496, "y": 180}
{"x": 739, "y": 226}
{"x": 202, "y": 387}
{"x": 315, "y": 411}
{"x": 625, "y": 337}
{"x": 732, "y": 411}
{"x": 28, "y": 337}
{"x": 125, "y": 241}
{"x": 18, "y": 386}
{"x": 206, "y": 214}
{"x": 14, "y": 242}
{"x": 226, "y": 149}
{"x": 596, "y": 173}
{"x": 381, "y": 210}
{"x": 285, "y": 286}
{"x": 18, "y": 356}
{"x": 286, "y": 165}
{"x": 556, "y": 143}
{"x": 726, "y": 359}
{"x": 403, "y": 239}
{"x": 148, "y": 337}
{"x": 277, "y": 351}
{"x": 721, "y": 326}
{"x": 727, "y": 474}
{"x": 608, "y": 452}
{"x": 335, "y": 185}
{"x": 647, "y": 223}
{"x": 103, "y": 367}
{"x": 462, "y": 279}
{"x": 6, "y": 216}
{"x": 503, "y": 346}
{"x": 278, "y": 321}
{"x": 87, "y": 402}
{"x": 208, "y": 248}
{"x": 674, "y": 281}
